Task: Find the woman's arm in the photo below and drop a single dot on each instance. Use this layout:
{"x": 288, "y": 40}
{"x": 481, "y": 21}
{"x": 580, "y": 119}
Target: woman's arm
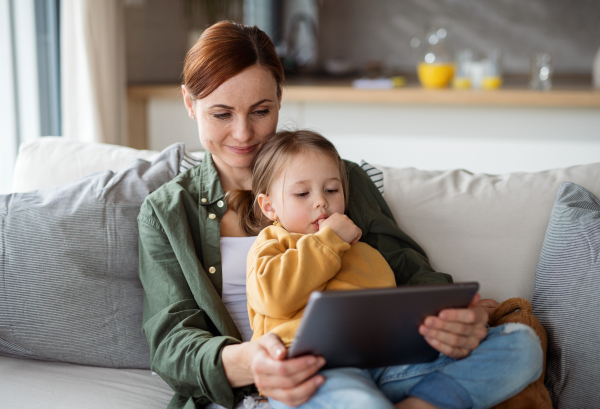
{"x": 368, "y": 209}
{"x": 453, "y": 332}
{"x": 183, "y": 349}
{"x": 291, "y": 381}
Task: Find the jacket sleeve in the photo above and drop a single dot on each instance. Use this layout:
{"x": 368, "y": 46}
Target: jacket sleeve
{"x": 368, "y": 209}
{"x": 282, "y": 273}
{"x": 183, "y": 349}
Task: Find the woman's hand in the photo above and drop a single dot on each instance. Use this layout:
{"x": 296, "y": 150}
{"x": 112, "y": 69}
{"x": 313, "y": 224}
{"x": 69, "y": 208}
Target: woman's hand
{"x": 456, "y": 332}
{"x": 263, "y": 363}
{"x": 343, "y": 226}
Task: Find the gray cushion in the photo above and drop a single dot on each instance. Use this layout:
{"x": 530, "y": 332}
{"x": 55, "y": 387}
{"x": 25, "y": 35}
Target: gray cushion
{"x": 566, "y": 298}
{"x": 69, "y": 286}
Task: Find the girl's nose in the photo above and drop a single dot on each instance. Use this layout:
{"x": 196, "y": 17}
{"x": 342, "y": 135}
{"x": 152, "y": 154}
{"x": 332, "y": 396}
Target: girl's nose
{"x": 321, "y": 202}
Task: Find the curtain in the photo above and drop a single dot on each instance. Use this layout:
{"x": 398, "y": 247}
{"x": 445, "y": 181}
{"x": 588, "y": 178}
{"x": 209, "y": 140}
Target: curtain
{"x": 93, "y": 71}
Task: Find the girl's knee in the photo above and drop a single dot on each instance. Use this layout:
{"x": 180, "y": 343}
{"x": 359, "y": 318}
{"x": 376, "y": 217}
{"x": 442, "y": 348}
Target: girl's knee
{"x": 523, "y": 349}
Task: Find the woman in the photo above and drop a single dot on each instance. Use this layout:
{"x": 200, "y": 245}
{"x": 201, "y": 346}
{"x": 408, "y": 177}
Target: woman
{"x": 232, "y": 89}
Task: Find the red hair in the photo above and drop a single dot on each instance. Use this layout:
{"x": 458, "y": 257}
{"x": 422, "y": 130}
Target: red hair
{"x": 224, "y": 50}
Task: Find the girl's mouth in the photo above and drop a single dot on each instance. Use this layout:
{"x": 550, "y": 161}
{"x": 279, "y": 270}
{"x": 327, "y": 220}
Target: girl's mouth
{"x": 316, "y": 222}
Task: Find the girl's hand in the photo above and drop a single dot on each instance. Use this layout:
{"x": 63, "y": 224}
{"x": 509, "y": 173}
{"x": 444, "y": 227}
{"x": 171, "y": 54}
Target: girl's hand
{"x": 456, "y": 332}
{"x": 343, "y": 226}
{"x": 263, "y": 363}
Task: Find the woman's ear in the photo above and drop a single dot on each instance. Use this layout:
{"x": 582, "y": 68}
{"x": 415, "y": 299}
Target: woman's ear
{"x": 264, "y": 201}
{"x": 188, "y": 102}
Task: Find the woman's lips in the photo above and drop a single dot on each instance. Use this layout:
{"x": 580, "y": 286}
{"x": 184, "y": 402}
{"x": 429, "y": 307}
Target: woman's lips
{"x": 242, "y": 149}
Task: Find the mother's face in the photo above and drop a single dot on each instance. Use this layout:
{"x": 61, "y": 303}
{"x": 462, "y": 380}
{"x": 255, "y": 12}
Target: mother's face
{"x": 235, "y": 119}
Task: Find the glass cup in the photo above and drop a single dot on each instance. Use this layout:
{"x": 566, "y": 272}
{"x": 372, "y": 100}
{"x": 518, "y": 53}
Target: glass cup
{"x": 541, "y": 72}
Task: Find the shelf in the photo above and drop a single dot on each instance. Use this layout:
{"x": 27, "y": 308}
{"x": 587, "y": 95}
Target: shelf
{"x": 584, "y": 98}
{"x": 340, "y": 91}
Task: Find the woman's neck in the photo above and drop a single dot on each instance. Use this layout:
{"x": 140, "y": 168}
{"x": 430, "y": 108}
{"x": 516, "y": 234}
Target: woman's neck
{"x": 233, "y": 178}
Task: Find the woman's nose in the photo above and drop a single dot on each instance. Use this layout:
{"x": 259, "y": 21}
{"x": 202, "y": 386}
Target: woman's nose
{"x": 243, "y": 130}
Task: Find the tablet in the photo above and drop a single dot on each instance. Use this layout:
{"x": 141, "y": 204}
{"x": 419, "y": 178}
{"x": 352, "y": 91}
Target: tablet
{"x": 374, "y": 328}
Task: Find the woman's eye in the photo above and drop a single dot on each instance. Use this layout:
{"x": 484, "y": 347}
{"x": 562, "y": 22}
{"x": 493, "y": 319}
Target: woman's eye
{"x": 303, "y": 194}
{"x": 226, "y": 115}
{"x": 261, "y": 112}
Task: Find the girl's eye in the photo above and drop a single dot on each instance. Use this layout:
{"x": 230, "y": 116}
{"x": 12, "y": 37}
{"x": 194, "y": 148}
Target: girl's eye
{"x": 301, "y": 194}
{"x": 331, "y": 190}
{"x": 262, "y": 112}
{"x": 226, "y": 115}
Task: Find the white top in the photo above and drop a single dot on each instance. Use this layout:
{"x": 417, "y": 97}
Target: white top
{"x": 234, "y": 251}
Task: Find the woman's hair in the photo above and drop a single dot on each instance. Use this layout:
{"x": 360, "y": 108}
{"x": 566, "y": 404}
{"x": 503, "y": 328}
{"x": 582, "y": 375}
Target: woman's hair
{"x": 224, "y": 50}
{"x": 277, "y": 151}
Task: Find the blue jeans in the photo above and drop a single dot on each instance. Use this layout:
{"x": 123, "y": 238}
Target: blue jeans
{"x": 507, "y": 360}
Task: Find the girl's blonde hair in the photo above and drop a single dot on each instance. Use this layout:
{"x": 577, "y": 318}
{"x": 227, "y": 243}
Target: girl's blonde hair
{"x": 268, "y": 164}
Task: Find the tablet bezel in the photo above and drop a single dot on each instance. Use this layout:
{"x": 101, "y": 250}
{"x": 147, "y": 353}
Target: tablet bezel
{"x": 359, "y": 328}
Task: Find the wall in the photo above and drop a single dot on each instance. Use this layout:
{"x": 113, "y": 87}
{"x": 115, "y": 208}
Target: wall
{"x": 363, "y": 31}
{"x": 480, "y": 139}
{"x": 381, "y": 30}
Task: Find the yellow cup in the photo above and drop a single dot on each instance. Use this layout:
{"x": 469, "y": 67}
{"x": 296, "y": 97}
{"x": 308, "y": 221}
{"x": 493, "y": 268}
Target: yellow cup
{"x": 461, "y": 83}
{"x": 494, "y": 82}
{"x": 435, "y": 75}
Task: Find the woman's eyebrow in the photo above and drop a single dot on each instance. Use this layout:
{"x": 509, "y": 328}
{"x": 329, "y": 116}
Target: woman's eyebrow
{"x": 228, "y": 107}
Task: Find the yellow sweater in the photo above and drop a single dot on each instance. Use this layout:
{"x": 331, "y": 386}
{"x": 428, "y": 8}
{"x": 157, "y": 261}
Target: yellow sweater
{"x": 283, "y": 268}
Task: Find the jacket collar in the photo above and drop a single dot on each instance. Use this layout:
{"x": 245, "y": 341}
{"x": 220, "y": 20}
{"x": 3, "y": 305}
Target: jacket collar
{"x": 211, "y": 189}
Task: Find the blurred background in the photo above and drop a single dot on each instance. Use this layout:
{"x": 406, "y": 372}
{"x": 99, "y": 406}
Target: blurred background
{"x": 490, "y": 86}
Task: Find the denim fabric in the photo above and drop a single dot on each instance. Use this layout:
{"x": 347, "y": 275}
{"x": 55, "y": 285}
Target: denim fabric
{"x": 508, "y": 359}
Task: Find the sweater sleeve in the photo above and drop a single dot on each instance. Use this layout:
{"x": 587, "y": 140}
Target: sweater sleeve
{"x": 183, "y": 349}
{"x": 368, "y": 209}
{"x": 284, "y": 270}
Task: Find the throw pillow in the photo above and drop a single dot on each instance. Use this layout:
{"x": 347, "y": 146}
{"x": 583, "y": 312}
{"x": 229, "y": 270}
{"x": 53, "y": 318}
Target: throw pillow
{"x": 566, "y": 301}
{"x": 374, "y": 173}
{"x": 69, "y": 286}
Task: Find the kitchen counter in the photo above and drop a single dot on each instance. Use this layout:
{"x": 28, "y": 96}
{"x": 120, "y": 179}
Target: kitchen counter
{"x": 567, "y": 93}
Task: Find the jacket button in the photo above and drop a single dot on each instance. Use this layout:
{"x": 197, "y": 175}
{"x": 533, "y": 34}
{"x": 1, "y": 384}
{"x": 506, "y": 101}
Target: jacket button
{"x": 203, "y": 200}
{"x": 220, "y": 203}
{"x": 211, "y": 216}
{"x": 212, "y": 270}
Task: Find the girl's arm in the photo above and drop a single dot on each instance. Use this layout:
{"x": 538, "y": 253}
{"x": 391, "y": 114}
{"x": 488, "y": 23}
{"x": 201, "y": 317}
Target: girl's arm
{"x": 283, "y": 270}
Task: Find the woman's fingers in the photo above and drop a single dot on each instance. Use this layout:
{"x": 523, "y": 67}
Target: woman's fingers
{"x": 448, "y": 350}
{"x": 273, "y": 345}
{"x": 297, "y": 395}
{"x": 456, "y": 332}
{"x": 290, "y": 381}
{"x": 285, "y": 374}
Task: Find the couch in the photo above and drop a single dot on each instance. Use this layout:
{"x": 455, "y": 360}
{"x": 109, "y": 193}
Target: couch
{"x": 477, "y": 227}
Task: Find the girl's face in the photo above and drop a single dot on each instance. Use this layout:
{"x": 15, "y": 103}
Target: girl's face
{"x": 308, "y": 189}
{"x": 235, "y": 119}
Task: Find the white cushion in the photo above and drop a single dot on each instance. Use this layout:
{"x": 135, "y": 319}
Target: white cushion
{"x": 29, "y": 384}
{"x": 53, "y": 161}
{"x": 480, "y": 227}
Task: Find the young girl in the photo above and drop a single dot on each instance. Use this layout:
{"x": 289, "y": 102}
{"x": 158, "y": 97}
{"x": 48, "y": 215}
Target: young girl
{"x": 300, "y": 191}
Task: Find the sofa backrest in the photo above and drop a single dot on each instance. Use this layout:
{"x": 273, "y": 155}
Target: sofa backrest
{"x": 487, "y": 228}
{"x": 477, "y": 227}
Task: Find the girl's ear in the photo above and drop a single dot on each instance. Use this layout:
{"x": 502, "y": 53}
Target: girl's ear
{"x": 264, "y": 201}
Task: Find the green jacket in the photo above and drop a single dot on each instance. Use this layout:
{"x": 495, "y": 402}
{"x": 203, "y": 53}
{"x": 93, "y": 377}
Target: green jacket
{"x": 185, "y": 321}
